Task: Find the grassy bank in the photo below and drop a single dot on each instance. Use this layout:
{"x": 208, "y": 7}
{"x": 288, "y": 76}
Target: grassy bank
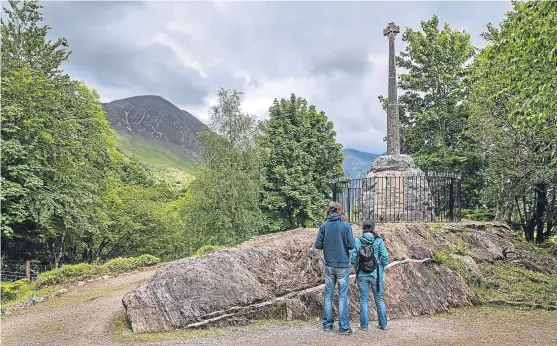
{"x": 48, "y": 282}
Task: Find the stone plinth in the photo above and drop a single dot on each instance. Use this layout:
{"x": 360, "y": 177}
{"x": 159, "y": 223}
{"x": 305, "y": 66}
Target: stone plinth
{"x": 395, "y": 189}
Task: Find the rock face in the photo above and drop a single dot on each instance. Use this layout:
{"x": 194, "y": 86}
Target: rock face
{"x": 154, "y": 118}
{"x": 280, "y": 276}
{"x": 395, "y": 189}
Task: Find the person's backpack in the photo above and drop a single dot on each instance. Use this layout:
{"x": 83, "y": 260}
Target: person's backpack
{"x": 367, "y": 262}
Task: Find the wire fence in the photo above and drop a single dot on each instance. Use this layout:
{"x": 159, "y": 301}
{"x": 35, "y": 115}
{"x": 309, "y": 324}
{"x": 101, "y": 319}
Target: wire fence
{"x": 427, "y": 197}
{"x": 14, "y": 276}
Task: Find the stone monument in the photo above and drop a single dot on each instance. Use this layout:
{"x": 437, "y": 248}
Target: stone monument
{"x": 394, "y": 188}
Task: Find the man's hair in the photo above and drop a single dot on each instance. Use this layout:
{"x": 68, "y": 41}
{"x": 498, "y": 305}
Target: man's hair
{"x": 368, "y": 226}
{"x": 336, "y": 207}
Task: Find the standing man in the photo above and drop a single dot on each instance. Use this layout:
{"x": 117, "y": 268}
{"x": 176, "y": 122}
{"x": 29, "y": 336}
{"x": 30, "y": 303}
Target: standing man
{"x": 370, "y": 258}
{"x": 336, "y": 240}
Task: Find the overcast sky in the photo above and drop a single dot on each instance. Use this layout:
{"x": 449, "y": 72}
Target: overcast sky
{"x": 331, "y": 53}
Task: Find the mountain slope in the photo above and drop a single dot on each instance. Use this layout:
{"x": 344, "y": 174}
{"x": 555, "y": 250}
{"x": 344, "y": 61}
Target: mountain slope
{"x": 157, "y": 131}
{"x": 357, "y": 162}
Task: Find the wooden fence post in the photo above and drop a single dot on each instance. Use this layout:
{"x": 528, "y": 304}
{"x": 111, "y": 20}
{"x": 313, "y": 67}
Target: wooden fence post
{"x": 28, "y": 269}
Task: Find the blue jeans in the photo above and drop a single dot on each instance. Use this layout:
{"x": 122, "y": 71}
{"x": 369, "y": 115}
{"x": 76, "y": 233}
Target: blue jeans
{"x": 364, "y": 282}
{"x": 332, "y": 276}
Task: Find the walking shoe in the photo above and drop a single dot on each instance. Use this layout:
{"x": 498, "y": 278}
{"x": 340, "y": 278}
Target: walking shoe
{"x": 382, "y": 327}
{"x": 345, "y": 331}
{"x": 363, "y": 329}
{"x": 327, "y": 329}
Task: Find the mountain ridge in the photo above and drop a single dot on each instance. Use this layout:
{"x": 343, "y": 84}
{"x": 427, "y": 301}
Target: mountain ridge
{"x": 357, "y": 162}
{"x": 154, "y": 118}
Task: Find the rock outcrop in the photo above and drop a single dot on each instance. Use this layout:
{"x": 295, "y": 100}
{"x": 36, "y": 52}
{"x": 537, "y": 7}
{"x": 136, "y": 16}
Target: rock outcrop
{"x": 280, "y": 276}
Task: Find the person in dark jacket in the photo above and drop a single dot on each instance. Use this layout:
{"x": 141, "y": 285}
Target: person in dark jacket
{"x": 336, "y": 240}
{"x": 367, "y": 280}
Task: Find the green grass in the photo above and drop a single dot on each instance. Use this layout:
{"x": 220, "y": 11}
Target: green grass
{"x": 26, "y": 291}
{"x": 508, "y": 282}
{"x": 504, "y": 280}
{"x": 167, "y": 159}
{"x": 120, "y": 331}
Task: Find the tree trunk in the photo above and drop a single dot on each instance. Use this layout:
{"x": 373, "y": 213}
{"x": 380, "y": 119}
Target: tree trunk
{"x": 541, "y": 204}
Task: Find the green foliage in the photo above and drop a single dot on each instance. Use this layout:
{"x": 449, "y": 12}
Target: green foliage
{"x": 459, "y": 248}
{"x": 222, "y": 205}
{"x": 208, "y": 248}
{"x": 477, "y": 214}
{"x": 11, "y": 289}
{"x": 112, "y": 267}
{"x": 509, "y": 282}
{"x": 513, "y": 105}
{"x": 302, "y": 158}
{"x": 120, "y": 265}
{"x": 440, "y": 257}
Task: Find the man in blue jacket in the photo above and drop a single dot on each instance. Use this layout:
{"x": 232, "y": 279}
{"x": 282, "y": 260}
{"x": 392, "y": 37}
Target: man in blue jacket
{"x": 367, "y": 280}
{"x": 336, "y": 239}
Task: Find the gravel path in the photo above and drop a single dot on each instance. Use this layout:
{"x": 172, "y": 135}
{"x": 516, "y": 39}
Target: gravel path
{"x": 84, "y": 316}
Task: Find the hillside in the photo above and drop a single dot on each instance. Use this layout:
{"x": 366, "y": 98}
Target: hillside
{"x": 158, "y": 132}
{"x": 357, "y": 162}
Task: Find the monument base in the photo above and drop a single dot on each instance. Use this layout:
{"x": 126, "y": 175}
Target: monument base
{"x": 396, "y": 190}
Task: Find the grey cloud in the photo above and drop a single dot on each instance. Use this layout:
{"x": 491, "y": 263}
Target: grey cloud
{"x": 268, "y": 41}
{"x": 101, "y": 55}
{"x": 351, "y": 61}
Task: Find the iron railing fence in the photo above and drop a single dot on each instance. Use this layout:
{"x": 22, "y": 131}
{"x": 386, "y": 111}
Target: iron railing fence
{"x": 427, "y": 197}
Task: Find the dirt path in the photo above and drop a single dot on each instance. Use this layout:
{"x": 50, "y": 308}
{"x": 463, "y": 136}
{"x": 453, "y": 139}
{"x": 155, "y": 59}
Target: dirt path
{"x": 85, "y": 315}
{"x": 80, "y": 317}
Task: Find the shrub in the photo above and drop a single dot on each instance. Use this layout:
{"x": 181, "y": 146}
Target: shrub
{"x": 440, "y": 257}
{"x": 208, "y": 248}
{"x": 10, "y": 290}
{"x": 478, "y": 214}
{"x": 114, "y": 266}
{"x": 460, "y": 248}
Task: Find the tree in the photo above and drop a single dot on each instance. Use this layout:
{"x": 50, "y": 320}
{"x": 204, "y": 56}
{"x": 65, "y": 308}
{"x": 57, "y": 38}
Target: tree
{"x": 514, "y": 115}
{"x": 302, "y": 158}
{"x": 68, "y": 195}
{"x": 228, "y": 120}
{"x": 223, "y": 206}
{"x": 432, "y": 116}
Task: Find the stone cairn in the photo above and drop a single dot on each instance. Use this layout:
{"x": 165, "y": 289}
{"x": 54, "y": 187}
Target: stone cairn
{"x": 394, "y": 188}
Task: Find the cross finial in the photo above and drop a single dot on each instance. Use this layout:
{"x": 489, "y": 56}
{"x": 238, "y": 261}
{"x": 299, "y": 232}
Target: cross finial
{"x": 391, "y": 29}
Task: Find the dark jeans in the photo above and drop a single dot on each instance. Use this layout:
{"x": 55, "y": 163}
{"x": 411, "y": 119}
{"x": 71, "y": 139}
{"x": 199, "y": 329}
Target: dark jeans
{"x": 332, "y": 276}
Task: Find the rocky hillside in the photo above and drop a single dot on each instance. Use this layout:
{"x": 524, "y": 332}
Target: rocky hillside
{"x": 153, "y": 124}
{"x": 357, "y": 162}
{"x": 433, "y": 268}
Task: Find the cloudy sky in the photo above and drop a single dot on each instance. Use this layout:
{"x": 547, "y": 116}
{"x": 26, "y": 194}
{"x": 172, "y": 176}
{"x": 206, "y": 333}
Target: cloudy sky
{"x": 331, "y": 53}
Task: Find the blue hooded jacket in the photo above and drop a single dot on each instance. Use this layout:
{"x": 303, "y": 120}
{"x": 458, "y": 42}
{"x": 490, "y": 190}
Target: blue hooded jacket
{"x": 379, "y": 249}
{"x": 336, "y": 239}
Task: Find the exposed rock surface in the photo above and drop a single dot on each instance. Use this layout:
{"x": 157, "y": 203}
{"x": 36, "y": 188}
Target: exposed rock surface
{"x": 395, "y": 189}
{"x": 154, "y": 118}
{"x": 280, "y": 276}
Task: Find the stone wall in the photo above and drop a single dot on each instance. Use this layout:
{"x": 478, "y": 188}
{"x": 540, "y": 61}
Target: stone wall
{"x": 279, "y": 276}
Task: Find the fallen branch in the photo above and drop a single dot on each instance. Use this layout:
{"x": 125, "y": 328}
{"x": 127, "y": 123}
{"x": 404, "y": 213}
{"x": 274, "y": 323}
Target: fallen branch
{"x": 237, "y": 310}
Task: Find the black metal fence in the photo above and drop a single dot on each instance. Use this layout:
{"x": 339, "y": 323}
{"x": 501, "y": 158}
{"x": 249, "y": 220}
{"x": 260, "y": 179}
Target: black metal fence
{"x": 427, "y": 197}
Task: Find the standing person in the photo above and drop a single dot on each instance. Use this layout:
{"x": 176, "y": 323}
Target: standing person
{"x": 336, "y": 239}
{"x": 369, "y": 259}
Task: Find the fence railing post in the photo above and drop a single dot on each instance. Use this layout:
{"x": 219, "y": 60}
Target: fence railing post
{"x": 28, "y": 269}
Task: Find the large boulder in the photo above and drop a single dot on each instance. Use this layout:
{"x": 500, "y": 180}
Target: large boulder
{"x": 280, "y": 276}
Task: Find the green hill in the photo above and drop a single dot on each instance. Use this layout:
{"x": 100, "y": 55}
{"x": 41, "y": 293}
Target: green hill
{"x": 167, "y": 159}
